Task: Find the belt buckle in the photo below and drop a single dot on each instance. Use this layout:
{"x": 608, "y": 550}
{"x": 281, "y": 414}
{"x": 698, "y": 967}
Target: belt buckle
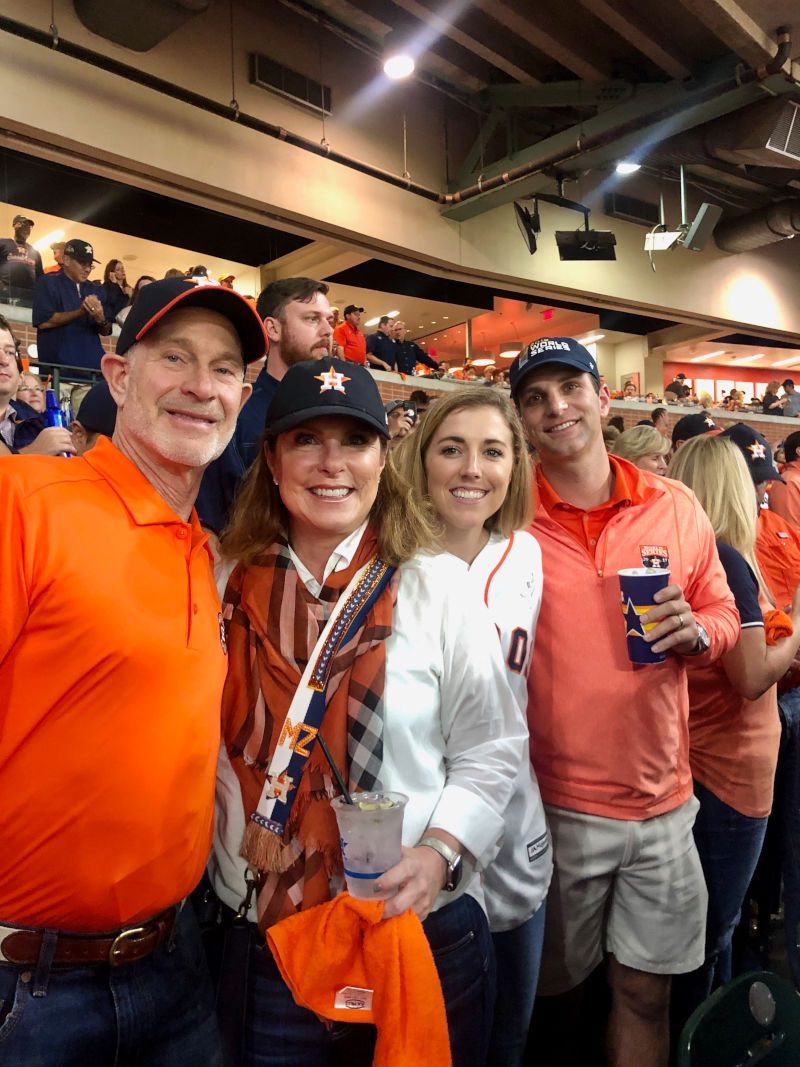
{"x": 115, "y": 951}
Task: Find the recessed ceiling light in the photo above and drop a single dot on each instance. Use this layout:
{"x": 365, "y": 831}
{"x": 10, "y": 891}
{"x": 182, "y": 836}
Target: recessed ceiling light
{"x": 745, "y": 359}
{"x": 392, "y": 314}
{"x": 709, "y": 355}
{"x": 372, "y": 322}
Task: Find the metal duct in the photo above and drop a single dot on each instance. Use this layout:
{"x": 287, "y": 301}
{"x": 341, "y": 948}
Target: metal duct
{"x": 137, "y": 24}
{"x": 766, "y": 226}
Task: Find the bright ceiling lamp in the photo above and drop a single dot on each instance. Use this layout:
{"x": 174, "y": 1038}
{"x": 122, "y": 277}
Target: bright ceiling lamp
{"x": 592, "y": 339}
{"x": 398, "y": 62}
{"x": 787, "y": 362}
{"x": 627, "y": 166}
{"x": 485, "y": 362}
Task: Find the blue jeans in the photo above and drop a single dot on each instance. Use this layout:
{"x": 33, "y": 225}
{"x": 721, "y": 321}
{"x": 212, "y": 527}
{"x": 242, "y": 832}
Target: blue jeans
{"x": 788, "y": 803}
{"x": 518, "y": 953}
{"x": 157, "y": 1012}
{"x": 729, "y": 845}
{"x": 279, "y": 1033}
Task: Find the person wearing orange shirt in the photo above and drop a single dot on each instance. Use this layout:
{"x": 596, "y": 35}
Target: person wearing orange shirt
{"x": 609, "y": 740}
{"x": 108, "y": 755}
{"x": 351, "y": 340}
{"x": 784, "y": 496}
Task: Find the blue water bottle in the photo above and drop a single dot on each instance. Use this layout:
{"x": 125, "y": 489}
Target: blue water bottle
{"x": 54, "y": 416}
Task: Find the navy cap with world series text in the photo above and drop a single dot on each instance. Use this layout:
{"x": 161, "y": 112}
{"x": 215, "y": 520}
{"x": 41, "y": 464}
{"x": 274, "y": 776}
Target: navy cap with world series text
{"x": 79, "y": 250}
{"x": 153, "y": 301}
{"x": 319, "y": 387}
{"x": 564, "y": 350}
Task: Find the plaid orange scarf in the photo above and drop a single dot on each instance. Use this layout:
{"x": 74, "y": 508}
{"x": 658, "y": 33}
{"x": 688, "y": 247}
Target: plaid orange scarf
{"x": 273, "y": 625}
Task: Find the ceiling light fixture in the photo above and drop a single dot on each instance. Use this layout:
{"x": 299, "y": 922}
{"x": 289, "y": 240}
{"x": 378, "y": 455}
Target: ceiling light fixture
{"x": 510, "y": 353}
{"x": 392, "y": 314}
{"x": 745, "y": 359}
{"x": 592, "y": 338}
{"x": 787, "y": 362}
{"x": 708, "y": 355}
{"x": 398, "y": 60}
{"x": 627, "y": 166}
{"x": 373, "y": 322}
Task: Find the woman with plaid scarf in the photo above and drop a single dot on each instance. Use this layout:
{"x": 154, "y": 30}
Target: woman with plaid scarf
{"x": 415, "y": 700}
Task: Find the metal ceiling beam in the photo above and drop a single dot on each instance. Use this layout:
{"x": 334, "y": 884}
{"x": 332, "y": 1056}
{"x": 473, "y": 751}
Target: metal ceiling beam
{"x": 565, "y": 150}
{"x": 447, "y": 28}
{"x": 634, "y": 28}
{"x": 731, "y": 23}
{"x": 561, "y": 94}
{"x": 536, "y": 36}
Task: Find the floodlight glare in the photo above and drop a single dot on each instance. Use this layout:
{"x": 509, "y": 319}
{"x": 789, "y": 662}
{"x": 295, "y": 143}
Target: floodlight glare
{"x": 396, "y": 67}
{"x": 398, "y": 62}
{"x": 627, "y": 166}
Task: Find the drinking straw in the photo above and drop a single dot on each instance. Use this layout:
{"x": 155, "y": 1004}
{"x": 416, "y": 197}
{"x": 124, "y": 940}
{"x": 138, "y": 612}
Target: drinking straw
{"x": 337, "y": 774}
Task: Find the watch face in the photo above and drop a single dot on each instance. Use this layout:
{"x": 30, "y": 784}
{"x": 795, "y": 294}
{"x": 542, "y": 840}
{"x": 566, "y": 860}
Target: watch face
{"x": 455, "y": 873}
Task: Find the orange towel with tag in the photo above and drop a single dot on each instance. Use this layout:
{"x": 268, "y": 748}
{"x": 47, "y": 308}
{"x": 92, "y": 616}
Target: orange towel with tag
{"x": 346, "y": 945}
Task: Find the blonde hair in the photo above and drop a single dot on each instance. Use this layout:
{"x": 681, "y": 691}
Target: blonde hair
{"x": 404, "y": 523}
{"x": 515, "y": 511}
{"x": 716, "y": 471}
{"x": 640, "y": 441}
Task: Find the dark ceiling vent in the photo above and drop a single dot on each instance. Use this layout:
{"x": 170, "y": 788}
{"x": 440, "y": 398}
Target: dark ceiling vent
{"x": 627, "y": 208}
{"x": 268, "y": 74}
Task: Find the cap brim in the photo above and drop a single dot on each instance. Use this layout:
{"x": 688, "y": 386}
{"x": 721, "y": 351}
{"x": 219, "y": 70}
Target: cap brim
{"x": 227, "y": 302}
{"x": 297, "y": 418}
{"x": 567, "y": 360}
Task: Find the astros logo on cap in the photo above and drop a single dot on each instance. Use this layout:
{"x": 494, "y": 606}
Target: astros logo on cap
{"x": 757, "y": 449}
{"x": 332, "y": 379}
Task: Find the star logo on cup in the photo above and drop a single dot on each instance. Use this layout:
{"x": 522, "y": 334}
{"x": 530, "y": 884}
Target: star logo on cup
{"x": 633, "y": 621}
{"x": 757, "y": 449}
{"x": 332, "y": 379}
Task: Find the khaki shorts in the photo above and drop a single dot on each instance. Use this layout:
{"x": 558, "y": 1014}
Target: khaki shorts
{"x": 634, "y": 889}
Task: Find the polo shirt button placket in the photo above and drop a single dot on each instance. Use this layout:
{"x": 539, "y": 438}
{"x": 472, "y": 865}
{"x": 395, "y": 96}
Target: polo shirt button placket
{"x": 181, "y": 533}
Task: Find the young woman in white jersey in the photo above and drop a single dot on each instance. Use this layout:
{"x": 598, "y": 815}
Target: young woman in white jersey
{"x": 469, "y": 458}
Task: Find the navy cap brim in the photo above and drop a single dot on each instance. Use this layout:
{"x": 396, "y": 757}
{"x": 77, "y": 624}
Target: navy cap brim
{"x": 297, "y": 418}
{"x": 155, "y": 300}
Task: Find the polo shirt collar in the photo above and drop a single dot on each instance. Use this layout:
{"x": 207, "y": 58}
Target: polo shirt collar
{"x": 631, "y": 487}
{"x": 144, "y": 504}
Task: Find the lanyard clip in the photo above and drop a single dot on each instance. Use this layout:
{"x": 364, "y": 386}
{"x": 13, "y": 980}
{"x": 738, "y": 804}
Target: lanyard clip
{"x": 251, "y": 882}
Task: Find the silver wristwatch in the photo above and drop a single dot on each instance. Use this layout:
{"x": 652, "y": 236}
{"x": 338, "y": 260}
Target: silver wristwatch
{"x": 450, "y": 857}
{"x": 703, "y": 642}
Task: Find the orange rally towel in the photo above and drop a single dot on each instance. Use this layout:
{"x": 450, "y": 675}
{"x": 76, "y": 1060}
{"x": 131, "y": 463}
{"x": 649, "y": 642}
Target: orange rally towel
{"x": 777, "y": 624}
{"x": 345, "y": 944}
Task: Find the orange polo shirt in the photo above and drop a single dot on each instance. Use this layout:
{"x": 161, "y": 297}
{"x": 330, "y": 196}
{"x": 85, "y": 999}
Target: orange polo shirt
{"x": 352, "y": 342}
{"x": 586, "y": 526}
{"x": 111, "y": 675}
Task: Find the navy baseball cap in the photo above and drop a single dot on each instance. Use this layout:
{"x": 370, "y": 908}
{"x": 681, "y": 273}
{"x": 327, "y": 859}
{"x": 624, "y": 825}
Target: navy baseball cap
{"x": 755, "y": 449}
{"x": 699, "y": 422}
{"x": 153, "y": 301}
{"x": 82, "y": 251}
{"x": 22, "y": 218}
{"x": 565, "y": 350}
{"x": 97, "y": 411}
{"x": 318, "y": 387}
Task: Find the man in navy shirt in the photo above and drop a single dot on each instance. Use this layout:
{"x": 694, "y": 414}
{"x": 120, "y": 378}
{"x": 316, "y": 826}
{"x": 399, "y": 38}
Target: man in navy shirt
{"x": 70, "y": 311}
{"x": 297, "y": 318}
{"x": 381, "y": 344}
{"x": 20, "y": 263}
{"x": 408, "y": 354}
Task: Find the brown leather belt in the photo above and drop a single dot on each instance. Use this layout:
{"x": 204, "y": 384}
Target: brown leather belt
{"x": 22, "y": 945}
